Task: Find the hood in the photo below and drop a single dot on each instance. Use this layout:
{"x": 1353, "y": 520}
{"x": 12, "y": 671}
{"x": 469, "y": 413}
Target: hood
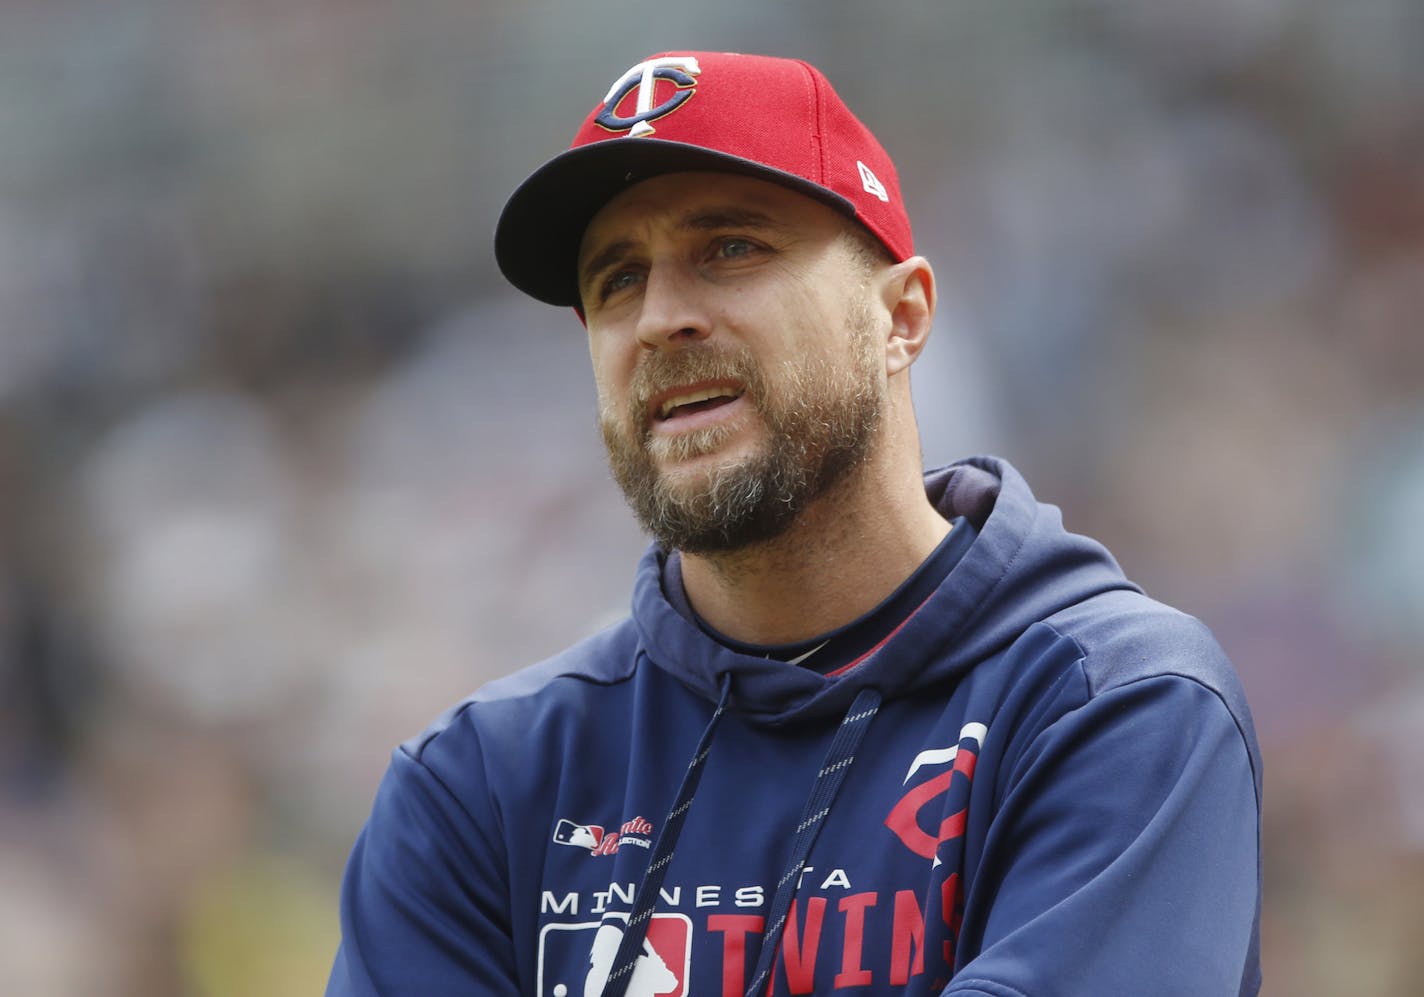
{"x": 1021, "y": 568}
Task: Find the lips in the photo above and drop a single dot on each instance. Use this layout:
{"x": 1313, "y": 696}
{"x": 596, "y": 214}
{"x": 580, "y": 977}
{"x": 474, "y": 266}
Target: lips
{"x": 688, "y": 400}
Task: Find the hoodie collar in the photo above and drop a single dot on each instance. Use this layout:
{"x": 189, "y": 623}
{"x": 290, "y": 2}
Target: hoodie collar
{"x": 1021, "y": 567}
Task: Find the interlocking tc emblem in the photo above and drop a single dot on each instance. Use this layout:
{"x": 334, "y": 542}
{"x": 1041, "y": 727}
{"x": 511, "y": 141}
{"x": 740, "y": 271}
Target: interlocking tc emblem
{"x": 946, "y": 793}
{"x": 680, "y": 70}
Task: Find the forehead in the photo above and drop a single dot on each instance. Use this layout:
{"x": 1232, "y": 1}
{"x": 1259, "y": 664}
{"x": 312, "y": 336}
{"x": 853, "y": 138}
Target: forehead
{"x": 677, "y": 201}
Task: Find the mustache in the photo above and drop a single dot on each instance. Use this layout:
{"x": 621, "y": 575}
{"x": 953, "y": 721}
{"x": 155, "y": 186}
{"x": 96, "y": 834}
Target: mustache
{"x": 660, "y": 371}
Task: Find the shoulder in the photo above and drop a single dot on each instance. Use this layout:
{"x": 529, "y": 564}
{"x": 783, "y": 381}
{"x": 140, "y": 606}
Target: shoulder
{"x": 1127, "y": 639}
{"x": 601, "y": 659}
{"x": 1126, "y": 636}
{"x": 532, "y": 698}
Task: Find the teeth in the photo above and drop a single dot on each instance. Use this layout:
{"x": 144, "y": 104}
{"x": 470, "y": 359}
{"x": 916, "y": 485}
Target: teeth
{"x": 665, "y": 409}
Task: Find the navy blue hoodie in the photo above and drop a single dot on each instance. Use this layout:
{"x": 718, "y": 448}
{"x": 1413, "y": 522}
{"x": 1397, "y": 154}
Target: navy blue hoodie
{"x": 1059, "y": 795}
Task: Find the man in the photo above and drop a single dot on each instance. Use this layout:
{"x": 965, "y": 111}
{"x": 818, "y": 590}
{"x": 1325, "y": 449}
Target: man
{"x": 866, "y": 729}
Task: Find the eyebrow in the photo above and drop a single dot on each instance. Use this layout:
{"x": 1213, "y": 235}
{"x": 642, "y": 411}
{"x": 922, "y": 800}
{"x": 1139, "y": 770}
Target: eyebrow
{"x": 701, "y": 220}
{"x": 716, "y": 218}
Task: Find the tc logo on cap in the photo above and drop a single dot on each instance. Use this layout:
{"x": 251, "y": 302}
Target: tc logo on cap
{"x": 681, "y": 70}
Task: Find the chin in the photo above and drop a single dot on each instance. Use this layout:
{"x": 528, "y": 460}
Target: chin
{"x": 710, "y": 446}
{"x": 688, "y": 479}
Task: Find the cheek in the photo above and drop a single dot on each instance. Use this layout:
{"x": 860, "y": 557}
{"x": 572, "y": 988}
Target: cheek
{"x": 613, "y": 386}
{"x": 605, "y": 370}
{"x": 609, "y": 402}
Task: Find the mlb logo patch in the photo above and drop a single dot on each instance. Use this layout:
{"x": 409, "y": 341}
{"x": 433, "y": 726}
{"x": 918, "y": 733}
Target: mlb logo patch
{"x": 588, "y": 836}
{"x": 575, "y": 959}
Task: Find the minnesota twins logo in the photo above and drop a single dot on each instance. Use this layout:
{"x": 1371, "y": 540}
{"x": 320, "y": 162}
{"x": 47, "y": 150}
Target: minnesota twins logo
{"x": 904, "y": 818}
{"x": 680, "y": 70}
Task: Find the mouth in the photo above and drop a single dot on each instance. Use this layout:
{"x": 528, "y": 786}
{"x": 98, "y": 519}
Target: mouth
{"x": 687, "y": 401}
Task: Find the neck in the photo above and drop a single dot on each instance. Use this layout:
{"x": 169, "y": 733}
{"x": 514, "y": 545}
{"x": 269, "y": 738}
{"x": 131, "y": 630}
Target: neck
{"x": 846, "y": 552}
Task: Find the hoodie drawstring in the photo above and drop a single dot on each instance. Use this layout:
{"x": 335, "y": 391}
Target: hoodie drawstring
{"x": 818, "y": 805}
{"x": 823, "y": 795}
{"x": 630, "y": 949}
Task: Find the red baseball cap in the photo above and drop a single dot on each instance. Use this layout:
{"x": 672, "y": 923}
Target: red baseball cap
{"x": 758, "y": 116}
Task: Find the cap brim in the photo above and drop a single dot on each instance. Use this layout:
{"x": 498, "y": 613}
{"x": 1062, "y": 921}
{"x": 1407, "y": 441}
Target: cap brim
{"x": 536, "y": 242}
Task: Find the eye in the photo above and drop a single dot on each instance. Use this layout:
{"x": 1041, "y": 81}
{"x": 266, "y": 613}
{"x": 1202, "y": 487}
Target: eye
{"x": 734, "y": 247}
{"x": 617, "y": 281}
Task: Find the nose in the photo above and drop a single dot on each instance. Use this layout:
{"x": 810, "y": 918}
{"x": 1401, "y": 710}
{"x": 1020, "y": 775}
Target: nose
{"x": 673, "y": 312}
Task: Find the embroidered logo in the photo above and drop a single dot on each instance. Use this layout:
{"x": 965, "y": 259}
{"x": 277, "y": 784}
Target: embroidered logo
{"x": 637, "y": 832}
{"x": 662, "y": 969}
{"x": 589, "y": 836}
{"x": 680, "y": 70}
{"x": 950, "y": 789}
{"x": 871, "y": 183}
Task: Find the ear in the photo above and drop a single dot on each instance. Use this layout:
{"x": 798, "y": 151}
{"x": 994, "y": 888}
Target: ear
{"x": 909, "y": 295}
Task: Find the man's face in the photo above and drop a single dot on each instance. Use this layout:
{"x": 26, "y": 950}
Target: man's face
{"x": 740, "y": 375}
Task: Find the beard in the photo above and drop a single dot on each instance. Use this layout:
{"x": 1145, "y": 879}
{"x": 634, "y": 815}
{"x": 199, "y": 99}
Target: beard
{"x": 820, "y": 416}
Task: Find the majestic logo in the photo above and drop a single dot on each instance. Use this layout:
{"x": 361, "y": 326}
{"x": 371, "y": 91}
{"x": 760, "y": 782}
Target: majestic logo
{"x": 952, "y": 785}
{"x": 680, "y": 70}
{"x": 638, "y": 832}
{"x": 662, "y": 970}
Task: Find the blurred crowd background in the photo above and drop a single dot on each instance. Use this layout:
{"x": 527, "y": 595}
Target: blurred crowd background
{"x": 285, "y": 468}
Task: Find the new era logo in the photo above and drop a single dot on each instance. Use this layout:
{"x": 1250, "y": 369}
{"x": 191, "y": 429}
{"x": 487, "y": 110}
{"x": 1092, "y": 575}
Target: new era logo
{"x": 871, "y": 182}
